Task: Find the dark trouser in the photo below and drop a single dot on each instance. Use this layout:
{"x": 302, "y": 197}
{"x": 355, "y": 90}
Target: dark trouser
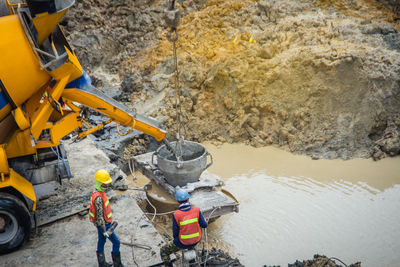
{"x": 170, "y": 248}
{"x": 102, "y": 240}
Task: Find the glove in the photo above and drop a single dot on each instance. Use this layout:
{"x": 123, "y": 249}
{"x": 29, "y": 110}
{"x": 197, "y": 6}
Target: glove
{"x": 104, "y": 231}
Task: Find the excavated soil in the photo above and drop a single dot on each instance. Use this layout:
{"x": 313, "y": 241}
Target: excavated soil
{"x": 315, "y": 77}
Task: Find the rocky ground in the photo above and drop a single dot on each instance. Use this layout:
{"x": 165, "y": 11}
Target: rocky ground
{"x": 320, "y": 78}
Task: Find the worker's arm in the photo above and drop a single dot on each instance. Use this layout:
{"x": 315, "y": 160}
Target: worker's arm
{"x": 202, "y": 221}
{"x": 99, "y": 217}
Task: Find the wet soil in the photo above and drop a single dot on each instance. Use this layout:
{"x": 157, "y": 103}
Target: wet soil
{"x": 319, "y": 78}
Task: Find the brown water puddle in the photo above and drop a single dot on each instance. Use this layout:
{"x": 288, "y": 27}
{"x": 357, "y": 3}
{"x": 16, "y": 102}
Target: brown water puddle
{"x": 293, "y": 207}
{"x": 232, "y": 160}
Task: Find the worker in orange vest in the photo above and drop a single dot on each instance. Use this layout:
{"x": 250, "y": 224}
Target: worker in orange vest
{"x": 100, "y": 215}
{"x": 186, "y": 223}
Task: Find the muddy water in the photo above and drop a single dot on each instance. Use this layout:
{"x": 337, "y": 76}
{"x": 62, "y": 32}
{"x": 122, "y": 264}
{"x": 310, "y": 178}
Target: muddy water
{"x": 293, "y": 207}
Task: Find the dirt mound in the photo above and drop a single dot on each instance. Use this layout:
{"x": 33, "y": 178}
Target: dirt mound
{"x": 318, "y": 79}
{"x": 104, "y": 34}
{"x": 315, "y": 77}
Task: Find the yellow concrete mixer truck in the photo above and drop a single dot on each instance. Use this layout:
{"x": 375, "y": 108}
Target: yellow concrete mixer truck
{"x": 42, "y": 87}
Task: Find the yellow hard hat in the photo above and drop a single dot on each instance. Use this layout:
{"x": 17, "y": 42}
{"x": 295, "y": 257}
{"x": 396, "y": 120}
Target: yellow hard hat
{"x": 103, "y": 176}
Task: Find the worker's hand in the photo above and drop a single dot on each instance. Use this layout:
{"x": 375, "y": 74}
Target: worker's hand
{"x": 104, "y": 231}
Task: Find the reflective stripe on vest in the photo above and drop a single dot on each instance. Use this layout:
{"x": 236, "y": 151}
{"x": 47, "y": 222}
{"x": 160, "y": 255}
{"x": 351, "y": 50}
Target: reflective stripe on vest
{"x": 190, "y": 236}
{"x": 189, "y": 221}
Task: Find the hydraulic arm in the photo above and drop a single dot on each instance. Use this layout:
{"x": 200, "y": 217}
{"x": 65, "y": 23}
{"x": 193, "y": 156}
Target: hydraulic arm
{"x": 95, "y": 99}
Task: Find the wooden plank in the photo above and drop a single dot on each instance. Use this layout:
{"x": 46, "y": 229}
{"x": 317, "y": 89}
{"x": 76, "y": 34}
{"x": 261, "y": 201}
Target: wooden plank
{"x": 43, "y": 220}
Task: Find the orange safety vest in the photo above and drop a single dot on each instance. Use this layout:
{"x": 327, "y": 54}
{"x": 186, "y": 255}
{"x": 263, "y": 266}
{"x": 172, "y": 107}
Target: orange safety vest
{"x": 106, "y": 207}
{"x": 189, "y": 227}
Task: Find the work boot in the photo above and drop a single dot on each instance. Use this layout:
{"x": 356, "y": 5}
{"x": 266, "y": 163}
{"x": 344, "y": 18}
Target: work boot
{"x": 117, "y": 260}
{"x": 102, "y": 260}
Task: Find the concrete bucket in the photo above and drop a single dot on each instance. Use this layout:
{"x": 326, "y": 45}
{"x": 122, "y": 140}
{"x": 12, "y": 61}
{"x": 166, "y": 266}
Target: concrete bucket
{"x": 194, "y": 162}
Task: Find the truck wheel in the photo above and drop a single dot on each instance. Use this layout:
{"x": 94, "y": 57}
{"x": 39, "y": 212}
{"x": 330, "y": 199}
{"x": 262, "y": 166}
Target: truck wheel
{"x": 4, "y": 9}
{"x": 15, "y": 223}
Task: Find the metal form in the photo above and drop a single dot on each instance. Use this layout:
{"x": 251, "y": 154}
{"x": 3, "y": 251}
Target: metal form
{"x": 204, "y": 194}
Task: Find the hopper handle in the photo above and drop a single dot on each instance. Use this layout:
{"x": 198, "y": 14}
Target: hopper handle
{"x": 211, "y": 163}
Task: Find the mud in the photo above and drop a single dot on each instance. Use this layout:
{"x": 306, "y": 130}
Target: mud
{"x": 319, "y": 78}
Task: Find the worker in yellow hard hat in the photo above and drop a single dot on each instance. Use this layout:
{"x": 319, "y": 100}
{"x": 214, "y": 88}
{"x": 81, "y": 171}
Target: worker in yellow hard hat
{"x": 101, "y": 216}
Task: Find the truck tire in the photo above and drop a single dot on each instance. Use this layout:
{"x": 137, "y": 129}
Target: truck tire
{"x": 4, "y": 9}
{"x": 15, "y": 223}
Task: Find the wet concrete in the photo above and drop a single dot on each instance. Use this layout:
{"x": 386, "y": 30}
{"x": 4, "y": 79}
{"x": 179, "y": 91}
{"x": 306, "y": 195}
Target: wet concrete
{"x": 293, "y": 207}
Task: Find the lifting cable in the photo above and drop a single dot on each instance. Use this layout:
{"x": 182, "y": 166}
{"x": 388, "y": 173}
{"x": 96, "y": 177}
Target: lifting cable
{"x": 173, "y": 20}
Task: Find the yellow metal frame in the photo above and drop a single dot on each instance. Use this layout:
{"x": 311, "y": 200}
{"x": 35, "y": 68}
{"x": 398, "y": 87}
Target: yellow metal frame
{"x": 20, "y": 144}
{"x": 41, "y": 116}
{"x": 3, "y": 160}
{"x": 21, "y": 119}
{"x": 16, "y": 181}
